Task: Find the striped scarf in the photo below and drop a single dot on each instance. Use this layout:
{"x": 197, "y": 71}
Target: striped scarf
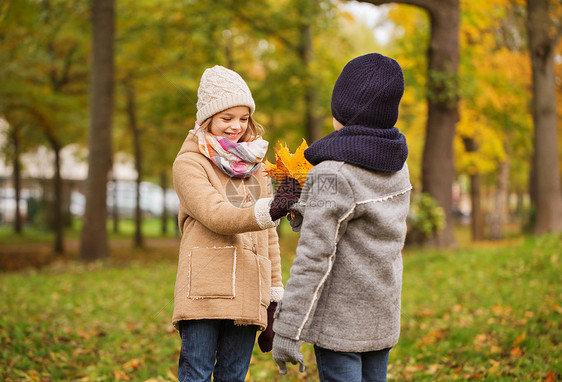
{"x": 235, "y": 159}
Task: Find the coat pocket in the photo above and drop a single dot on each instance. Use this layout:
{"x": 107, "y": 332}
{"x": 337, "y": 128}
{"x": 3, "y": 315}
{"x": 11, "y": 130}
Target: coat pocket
{"x": 212, "y": 272}
{"x": 264, "y": 265}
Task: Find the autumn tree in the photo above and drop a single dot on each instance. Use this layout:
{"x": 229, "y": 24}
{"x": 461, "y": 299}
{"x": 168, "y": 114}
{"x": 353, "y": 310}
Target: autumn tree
{"x": 65, "y": 77}
{"x": 44, "y": 89}
{"x": 442, "y": 104}
{"x": 94, "y": 244}
{"x": 14, "y": 23}
{"x": 291, "y": 27}
{"x": 492, "y": 147}
{"x": 544, "y": 30}
{"x": 156, "y": 84}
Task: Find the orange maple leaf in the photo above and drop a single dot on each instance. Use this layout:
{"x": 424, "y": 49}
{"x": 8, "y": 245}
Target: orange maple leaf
{"x": 287, "y": 164}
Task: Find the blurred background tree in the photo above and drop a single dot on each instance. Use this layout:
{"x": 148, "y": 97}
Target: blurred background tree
{"x": 44, "y": 85}
{"x": 94, "y": 243}
{"x": 442, "y": 97}
{"x": 495, "y": 131}
{"x": 544, "y": 28}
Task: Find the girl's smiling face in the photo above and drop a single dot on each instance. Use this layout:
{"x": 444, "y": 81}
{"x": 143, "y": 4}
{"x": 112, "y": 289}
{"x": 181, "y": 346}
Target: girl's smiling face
{"x": 231, "y": 123}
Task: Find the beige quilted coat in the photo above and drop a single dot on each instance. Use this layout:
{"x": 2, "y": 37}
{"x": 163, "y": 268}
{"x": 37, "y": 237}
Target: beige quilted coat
{"x": 229, "y": 264}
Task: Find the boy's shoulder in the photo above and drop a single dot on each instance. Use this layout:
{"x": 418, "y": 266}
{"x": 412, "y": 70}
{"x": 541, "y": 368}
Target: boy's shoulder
{"x": 327, "y": 166}
{"x": 325, "y": 172}
{"x": 362, "y": 182}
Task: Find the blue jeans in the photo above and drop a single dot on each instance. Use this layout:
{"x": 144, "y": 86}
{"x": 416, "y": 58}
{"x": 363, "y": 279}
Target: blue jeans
{"x": 215, "y": 347}
{"x": 336, "y": 366}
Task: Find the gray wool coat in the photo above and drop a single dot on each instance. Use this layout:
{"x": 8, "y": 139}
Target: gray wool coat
{"x": 344, "y": 288}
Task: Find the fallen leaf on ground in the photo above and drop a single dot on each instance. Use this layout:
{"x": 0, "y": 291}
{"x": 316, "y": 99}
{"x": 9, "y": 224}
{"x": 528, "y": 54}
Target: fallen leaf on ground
{"x": 516, "y": 352}
{"x": 550, "y": 377}
{"x": 132, "y": 364}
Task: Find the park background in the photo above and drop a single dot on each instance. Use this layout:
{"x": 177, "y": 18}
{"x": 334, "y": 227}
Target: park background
{"x": 481, "y": 112}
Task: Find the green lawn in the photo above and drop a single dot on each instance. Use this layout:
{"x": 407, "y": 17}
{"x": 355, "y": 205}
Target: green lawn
{"x": 490, "y": 312}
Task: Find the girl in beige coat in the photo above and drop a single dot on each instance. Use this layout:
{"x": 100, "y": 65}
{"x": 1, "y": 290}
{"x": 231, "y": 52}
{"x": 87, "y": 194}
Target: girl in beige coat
{"x": 229, "y": 266}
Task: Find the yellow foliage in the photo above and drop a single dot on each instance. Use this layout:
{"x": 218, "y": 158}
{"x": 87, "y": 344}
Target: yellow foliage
{"x": 494, "y": 110}
{"x": 490, "y": 143}
{"x": 288, "y": 164}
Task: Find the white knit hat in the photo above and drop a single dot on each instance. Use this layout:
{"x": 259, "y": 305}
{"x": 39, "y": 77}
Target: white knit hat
{"x": 220, "y": 89}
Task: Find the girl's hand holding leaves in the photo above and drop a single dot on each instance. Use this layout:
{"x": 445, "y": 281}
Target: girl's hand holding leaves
{"x": 287, "y": 194}
{"x": 291, "y": 170}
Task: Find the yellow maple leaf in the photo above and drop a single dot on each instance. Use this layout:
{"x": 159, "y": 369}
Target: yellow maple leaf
{"x": 287, "y": 164}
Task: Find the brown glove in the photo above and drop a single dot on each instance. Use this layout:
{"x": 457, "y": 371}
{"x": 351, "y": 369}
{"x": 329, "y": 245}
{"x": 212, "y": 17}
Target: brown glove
{"x": 287, "y": 194}
{"x": 265, "y": 339}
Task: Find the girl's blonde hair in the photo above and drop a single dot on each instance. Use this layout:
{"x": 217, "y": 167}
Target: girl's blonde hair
{"x": 253, "y": 132}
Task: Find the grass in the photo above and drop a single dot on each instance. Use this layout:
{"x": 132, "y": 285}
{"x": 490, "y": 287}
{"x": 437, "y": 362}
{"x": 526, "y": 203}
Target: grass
{"x": 490, "y": 312}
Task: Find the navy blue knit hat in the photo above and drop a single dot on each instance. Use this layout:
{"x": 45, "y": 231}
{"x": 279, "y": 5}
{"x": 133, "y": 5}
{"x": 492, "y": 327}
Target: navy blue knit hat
{"x": 368, "y": 92}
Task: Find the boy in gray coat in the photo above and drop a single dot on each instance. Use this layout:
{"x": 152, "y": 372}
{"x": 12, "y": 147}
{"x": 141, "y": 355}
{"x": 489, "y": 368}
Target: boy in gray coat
{"x": 343, "y": 294}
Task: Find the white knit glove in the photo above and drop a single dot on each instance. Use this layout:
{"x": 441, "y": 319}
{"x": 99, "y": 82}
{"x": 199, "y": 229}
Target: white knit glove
{"x": 287, "y": 350}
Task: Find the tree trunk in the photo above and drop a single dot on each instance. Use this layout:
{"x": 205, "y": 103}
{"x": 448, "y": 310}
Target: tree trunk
{"x": 442, "y": 110}
{"x": 57, "y": 205}
{"x": 133, "y": 124}
{"x": 305, "y": 50}
{"x": 442, "y": 116}
{"x": 476, "y": 213}
{"x": 164, "y": 217}
{"x": 58, "y": 214}
{"x": 548, "y": 208}
{"x": 15, "y": 135}
{"x": 498, "y": 217}
{"x": 67, "y": 202}
{"x": 94, "y": 243}
{"x": 115, "y": 208}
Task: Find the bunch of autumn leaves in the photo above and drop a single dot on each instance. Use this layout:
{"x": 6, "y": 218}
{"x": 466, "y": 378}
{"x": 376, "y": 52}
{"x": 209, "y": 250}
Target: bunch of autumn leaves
{"x": 289, "y": 165}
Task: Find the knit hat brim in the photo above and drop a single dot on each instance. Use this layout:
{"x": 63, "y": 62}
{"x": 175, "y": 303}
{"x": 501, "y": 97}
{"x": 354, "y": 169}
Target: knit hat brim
{"x": 221, "y": 104}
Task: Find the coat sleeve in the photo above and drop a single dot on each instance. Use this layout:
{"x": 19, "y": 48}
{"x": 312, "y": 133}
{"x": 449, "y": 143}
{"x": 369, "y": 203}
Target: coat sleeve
{"x": 275, "y": 258}
{"x": 206, "y": 204}
{"x": 328, "y": 206}
{"x": 273, "y": 252}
